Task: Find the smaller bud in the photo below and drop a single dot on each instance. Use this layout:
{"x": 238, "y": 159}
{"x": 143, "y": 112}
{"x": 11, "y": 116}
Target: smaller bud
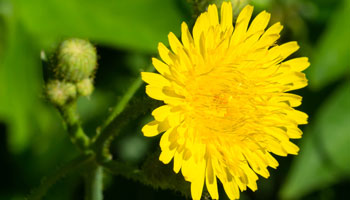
{"x": 76, "y": 60}
{"x": 59, "y": 93}
{"x": 85, "y": 87}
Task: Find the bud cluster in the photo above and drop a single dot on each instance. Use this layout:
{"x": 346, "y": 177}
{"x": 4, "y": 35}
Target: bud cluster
{"x": 74, "y": 65}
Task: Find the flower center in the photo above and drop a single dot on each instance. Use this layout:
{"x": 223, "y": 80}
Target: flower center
{"x": 220, "y": 104}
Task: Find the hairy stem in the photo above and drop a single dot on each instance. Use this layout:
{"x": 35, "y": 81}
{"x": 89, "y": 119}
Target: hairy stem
{"x": 152, "y": 173}
{"x": 94, "y": 183}
{"x": 118, "y": 118}
{"x": 71, "y": 167}
{"x": 137, "y": 108}
{"x": 120, "y": 106}
{"x": 75, "y": 131}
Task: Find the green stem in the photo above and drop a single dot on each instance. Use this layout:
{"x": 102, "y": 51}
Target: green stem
{"x": 137, "y": 108}
{"x": 120, "y": 106}
{"x": 124, "y": 169}
{"x": 94, "y": 183}
{"x": 153, "y": 173}
{"x": 69, "y": 168}
{"x": 118, "y": 118}
{"x": 75, "y": 131}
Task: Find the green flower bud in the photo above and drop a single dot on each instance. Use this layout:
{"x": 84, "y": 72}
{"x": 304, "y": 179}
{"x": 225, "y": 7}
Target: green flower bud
{"x": 59, "y": 93}
{"x": 85, "y": 87}
{"x": 76, "y": 60}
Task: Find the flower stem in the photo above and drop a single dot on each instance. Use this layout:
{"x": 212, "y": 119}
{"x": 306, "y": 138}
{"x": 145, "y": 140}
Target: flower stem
{"x": 46, "y": 183}
{"x": 117, "y": 119}
{"x": 120, "y": 106}
{"x": 75, "y": 131}
{"x": 94, "y": 183}
{"x": 131, "y": 112}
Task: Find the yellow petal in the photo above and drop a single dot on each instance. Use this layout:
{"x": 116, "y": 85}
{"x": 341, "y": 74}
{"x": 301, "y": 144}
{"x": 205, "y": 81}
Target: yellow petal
{"x": 226, "y": 15}
{"x": 277, "y": 133}
{"x": 270, "y": 36}
{"x": 186, "y": 37}
{"x": 298, "y": 116}
{"x": 153, "y": 128}
{"x": 165, "y": 54}
{"x": 175, "y": 44}
{"x": 211, "y": 182}
{"x": 284, "y": 50}
{"x": 242, "y": 22}
{"x": 298, "y": 64}
{"x": 198, "y": 183}
{"x": 292, "y": 100}
{"x": 154, "y": 79}
{"x": 165, "y": 94}
{"x": 177, "y": 161}
{"x": 252, "y": 177}
{"x": 271, "y": 160}
{"x": 213, "y": 15}
{"x": 276, "y": 148}
{"x": 155, "y": 92}
{"x": 199, "y": 27}
{"x": 275, "y": 29}
{"x": 290, "y": 147}
{"x": 259, "y": 23}
{"x": 294, "y": 132}
{"x": 150, "y": 129}
{"x": 161, "y": 67}
{"x": 231, "y": 189}
{"x": 161, "y": 113}
{"x": 166, "y": 156}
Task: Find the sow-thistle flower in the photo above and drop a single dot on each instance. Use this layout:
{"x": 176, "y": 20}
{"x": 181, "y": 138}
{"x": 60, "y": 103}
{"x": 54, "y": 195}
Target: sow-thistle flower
{"x": 227, "y": 107}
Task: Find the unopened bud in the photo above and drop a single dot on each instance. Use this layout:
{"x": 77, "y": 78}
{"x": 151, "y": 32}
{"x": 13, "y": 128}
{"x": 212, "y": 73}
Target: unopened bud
{"x": 76, "y": 60}
{"x": 85, "y": 87}
{"x": 59, "y": 93}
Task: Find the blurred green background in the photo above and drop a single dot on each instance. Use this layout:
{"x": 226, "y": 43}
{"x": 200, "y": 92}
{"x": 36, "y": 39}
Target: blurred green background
{"x": 33, "y": 142}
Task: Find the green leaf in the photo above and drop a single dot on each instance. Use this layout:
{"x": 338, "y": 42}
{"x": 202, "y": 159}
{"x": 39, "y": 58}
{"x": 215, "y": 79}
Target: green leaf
{"x": 19, "y": 85}
{"x": 331, "y": 57}
{"x": 333, "y": 128}
{"x": 137, "y": 25}
{"x": 324, "y": 156}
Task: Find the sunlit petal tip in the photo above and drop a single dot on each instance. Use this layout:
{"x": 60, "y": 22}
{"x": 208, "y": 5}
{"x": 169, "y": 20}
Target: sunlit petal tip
{"x": 150, "y": 129}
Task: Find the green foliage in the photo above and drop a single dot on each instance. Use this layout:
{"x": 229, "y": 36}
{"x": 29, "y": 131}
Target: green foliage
{"x": 34, "y": 24}
{"x": 324, "y": 157}
{"x": 331, "y": 56}
{"x": 20, "y": 83}
{"x": 133, "y": 25}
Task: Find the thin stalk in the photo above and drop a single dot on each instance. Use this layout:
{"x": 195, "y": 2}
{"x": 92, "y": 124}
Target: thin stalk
{"x": 120, "y": 106}
{"x": 137, "y": 108}
{"x": 75, "y": 131}
{"x": 71, "y": 167}
{"x": 152, "y": 173}
{"x": 94, "y": 183}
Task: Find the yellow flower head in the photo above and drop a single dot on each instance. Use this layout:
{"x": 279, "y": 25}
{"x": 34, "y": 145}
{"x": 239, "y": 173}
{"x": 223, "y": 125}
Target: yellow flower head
{"x": 226, "y": 102}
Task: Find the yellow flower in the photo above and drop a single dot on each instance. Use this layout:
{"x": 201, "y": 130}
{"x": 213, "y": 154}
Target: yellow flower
{"x": 226, "y": 102}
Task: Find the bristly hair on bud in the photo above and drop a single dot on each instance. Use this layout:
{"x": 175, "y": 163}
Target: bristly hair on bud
{"x": 85, "y": 87}
{"x": 59, "y": 93}
{"x": 75, "y": 60}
